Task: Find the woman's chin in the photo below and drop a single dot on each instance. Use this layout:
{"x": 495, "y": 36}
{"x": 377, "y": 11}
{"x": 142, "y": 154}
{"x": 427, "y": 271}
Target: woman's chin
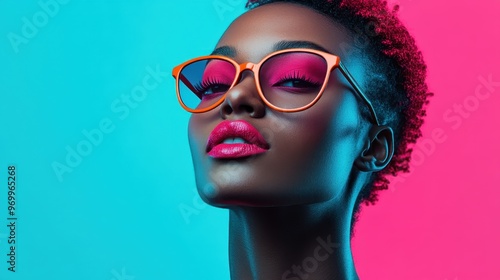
{"x": 229, "y": 196}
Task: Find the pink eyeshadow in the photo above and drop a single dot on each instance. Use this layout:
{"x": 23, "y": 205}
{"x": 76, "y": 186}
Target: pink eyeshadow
{"x": 305, "y": 65}
{"x": 221, "y": 71}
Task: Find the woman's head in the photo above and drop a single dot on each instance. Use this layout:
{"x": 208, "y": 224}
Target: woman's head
{"x": 316, "y": 154}
{"x": 396, "y": 83}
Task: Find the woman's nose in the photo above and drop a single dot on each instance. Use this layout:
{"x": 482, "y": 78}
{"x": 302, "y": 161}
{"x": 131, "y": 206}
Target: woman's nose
{"x": 243, "y": 98}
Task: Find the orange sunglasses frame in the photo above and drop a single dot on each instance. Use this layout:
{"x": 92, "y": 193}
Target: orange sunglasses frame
{"x": 332, "y": 61}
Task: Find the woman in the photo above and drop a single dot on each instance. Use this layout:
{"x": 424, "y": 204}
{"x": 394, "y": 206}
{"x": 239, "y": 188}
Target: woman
{"x": 297, "y": 114}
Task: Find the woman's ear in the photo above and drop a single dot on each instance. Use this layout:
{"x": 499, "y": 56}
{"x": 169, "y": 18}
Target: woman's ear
{"x": 378, "y": 150}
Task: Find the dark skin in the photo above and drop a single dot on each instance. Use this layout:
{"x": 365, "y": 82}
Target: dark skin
{"x": 287, "y": 203}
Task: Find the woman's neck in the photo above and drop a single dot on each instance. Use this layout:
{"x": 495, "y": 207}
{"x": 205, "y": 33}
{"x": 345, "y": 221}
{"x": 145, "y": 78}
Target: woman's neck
{"x": 294, "y": 243}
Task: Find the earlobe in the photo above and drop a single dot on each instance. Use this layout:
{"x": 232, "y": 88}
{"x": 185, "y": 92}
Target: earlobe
{"x": 378, "y": 150}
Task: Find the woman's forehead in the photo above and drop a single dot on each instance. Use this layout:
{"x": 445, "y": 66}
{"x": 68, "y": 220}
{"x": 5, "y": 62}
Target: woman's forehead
{"x": 256, "y": 33}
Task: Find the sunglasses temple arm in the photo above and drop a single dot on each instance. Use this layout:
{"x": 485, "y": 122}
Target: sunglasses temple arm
{"x": 189, "y": 85}
{"x": 358, "y": 90}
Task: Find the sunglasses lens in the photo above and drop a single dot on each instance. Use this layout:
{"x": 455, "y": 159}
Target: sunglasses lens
{"x": 204, "y": 82}
{"x": 292, "y": 80}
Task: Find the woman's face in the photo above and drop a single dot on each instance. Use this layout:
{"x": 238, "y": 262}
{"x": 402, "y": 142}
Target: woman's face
{"x": 310, "y": 154}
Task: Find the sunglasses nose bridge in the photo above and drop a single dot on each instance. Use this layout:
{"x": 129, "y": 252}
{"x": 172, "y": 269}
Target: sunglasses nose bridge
{"x": 247, "y": 66}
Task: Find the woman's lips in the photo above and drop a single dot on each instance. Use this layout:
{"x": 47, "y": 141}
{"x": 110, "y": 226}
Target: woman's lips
{"x": 235, "y": 139}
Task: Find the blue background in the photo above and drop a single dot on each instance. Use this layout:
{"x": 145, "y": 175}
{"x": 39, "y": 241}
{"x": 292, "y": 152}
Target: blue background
{"x": 114, "y": 210}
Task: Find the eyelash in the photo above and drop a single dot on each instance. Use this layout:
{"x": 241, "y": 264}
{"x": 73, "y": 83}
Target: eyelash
{"x": 205, "y": 85}
{"x": 297, "y": 76}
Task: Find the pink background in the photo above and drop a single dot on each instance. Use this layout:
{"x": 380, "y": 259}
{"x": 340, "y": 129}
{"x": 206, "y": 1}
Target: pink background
{"x": 441, "y": 221}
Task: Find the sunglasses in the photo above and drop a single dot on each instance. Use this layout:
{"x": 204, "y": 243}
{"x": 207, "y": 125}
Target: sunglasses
{"x": 290, "y": 80}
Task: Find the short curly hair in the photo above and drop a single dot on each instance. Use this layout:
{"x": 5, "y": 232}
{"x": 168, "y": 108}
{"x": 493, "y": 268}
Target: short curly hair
{"x": 396, "y": 85}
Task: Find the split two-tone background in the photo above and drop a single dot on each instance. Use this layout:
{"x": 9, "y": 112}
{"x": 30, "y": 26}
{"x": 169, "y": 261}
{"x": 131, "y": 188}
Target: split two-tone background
{"x": 104, "y": 185}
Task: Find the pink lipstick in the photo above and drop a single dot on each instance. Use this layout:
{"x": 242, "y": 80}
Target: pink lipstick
{"x": 235, "y": 139}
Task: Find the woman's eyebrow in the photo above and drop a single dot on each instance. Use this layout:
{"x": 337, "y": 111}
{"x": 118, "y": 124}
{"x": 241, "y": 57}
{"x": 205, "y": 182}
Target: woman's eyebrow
{"x": 225, "y": 51}
{"x": 283, "y": 45}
